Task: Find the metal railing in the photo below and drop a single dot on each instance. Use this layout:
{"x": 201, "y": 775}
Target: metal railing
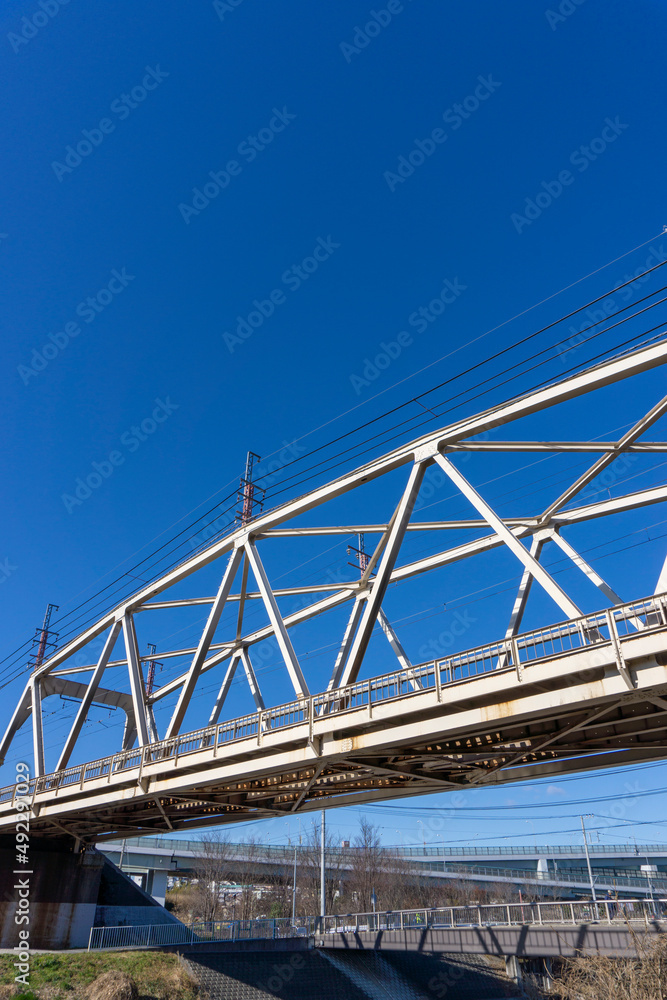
{"x": 646, "y": 881}
{"x": 173, "y": 845}
{"x": 163, "y": 935}
{"x": 493, "y": 915}
{"x": 502, "y": 915}
{"x": 599, "y": 628}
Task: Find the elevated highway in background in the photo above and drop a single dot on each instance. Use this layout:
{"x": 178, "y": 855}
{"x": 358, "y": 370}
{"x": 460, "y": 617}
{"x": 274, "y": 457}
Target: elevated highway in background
{"x": 554, "y": 871}
{"x": 588, "y": 691}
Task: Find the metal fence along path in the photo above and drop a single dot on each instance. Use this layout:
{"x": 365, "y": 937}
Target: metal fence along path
{"x": 616, "y": 912}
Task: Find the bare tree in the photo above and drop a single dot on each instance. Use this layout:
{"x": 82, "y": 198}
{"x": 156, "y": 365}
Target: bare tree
{"x": 212, "y": 869}
{"x": 373, "y": 870}
{"x": 251, "y": 875}
{"x": 308, "y": 872}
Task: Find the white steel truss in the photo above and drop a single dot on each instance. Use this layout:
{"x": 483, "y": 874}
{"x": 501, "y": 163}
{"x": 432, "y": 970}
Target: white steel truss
{"x": 524, "y": 536}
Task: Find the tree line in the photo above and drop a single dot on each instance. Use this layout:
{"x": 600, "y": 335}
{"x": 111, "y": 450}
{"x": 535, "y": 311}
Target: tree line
{"x": 222, "y": 887}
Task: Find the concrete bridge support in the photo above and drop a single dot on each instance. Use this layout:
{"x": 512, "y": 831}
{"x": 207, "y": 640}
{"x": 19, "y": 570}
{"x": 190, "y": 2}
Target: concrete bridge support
{"x": 156, "y": 885}
{"x": 61, "y": 893}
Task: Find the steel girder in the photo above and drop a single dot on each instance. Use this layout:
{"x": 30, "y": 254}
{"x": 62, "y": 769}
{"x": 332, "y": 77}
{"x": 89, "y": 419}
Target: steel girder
{"x": 241, "y": 547}
{"x": 566, "y": 714}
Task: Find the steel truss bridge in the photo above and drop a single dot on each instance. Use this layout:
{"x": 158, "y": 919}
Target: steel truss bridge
{"x": 587, "y": 692}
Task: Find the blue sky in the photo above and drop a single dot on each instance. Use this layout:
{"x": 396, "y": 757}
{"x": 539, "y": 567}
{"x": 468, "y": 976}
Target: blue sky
{"x": 262, "y": 197}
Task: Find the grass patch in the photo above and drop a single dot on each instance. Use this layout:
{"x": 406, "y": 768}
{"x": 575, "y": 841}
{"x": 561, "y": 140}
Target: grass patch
{"x": 63, "y": 976}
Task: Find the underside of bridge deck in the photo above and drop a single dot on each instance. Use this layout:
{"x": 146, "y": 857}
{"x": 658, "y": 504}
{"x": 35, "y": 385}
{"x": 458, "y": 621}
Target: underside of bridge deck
{"x": 587, "y": 692}
{"x": 566, "y": 716}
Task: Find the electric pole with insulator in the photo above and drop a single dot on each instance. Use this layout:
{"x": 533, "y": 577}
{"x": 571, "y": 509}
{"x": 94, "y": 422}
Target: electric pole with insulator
{"x": 45, "y": 639}
{"x": 251, "y": 495}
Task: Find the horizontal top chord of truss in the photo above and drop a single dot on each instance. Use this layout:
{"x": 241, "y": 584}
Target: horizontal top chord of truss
{"x": 241, "y": 550}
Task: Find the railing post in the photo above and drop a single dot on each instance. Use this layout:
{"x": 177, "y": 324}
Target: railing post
{"x": 438, "y": 681}
{"x": 582, "y": 632}
{"x": 662, "y": 606}
{"x": 617, "y": 648}
{"x": 479, "y": 915}
{"x": 516, "y": 658}
{"x": 370, "y": 704}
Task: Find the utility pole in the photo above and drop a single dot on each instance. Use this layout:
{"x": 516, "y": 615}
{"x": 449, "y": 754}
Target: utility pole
{"x": 250, "y": 494}
{"x": 152, "y": 664}
{"x": 588, "y": 863}
{"x": 44, "y": 639}
{"x": 323, "y": 899}
{"x": 294, "y": 891}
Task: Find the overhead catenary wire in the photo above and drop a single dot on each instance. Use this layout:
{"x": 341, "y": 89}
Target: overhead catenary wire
{"x": 71, "y": 632}
{"x": 123, "y": 577}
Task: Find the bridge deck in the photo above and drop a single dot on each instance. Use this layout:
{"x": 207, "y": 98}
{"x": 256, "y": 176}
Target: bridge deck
{"x": 582, "y": 694}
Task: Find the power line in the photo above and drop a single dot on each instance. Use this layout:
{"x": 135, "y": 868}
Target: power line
{"x": 365, "y": 443}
